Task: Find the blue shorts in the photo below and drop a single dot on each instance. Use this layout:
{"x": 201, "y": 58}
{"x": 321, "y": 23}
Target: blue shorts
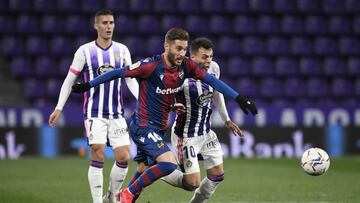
{"x": 149, "y": 142}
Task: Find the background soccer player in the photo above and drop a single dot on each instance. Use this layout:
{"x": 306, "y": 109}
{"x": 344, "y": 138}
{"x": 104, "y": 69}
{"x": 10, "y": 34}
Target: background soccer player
{"x": 103, "y": 111}
{"x": 191, "y": 134}
{"x": 160, "y": 78}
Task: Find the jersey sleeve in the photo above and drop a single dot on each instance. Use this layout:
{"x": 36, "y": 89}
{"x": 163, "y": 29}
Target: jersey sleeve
{"x": 194, "y": 71}
{"x": 78, "y": 62}
{"x": 141, "y": 69}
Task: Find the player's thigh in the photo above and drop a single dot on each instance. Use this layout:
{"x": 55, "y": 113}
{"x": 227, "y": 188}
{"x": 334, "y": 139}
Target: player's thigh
{"x": 211, "y": 151}
{"x": 96, "y": 130}
{"x": 118, "y": 133}
{"x": 192, "y": 179}
{"x": 187, "y": 151}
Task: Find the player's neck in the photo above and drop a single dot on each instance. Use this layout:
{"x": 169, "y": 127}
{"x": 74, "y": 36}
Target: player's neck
{"x": 167, "y": 62}
{"x": 103, "y": 43}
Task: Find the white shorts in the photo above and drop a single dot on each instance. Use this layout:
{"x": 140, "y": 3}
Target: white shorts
{"x": 102, "y": 130}
{"x": 186, "y": 150}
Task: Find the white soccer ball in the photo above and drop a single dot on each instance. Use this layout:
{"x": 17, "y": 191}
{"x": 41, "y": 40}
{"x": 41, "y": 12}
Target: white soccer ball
{"x": 315, "y": 161}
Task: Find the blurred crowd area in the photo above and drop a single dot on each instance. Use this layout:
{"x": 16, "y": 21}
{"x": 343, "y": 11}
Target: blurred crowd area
{"x": 280, "y": 52}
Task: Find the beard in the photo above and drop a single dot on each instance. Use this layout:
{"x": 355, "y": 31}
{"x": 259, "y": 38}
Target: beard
{"x": 171, "y": 58}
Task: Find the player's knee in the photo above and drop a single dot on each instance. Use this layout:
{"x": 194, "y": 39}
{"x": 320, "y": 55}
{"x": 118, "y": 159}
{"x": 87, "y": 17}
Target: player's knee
{"x": 190, "y": 186}
{"x": 97, "y": 153}
{"x": 216, "y": 178}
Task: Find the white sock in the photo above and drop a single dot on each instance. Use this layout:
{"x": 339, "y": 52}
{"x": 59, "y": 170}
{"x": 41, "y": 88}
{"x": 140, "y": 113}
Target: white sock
{"x": 95, "y": 176}
{"x": 204, "y": 192}
{"x": 174, "y": 178}
{"x": 117, "y": 177}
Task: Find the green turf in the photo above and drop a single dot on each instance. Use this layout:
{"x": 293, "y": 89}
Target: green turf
{"x": 63, "y": 180}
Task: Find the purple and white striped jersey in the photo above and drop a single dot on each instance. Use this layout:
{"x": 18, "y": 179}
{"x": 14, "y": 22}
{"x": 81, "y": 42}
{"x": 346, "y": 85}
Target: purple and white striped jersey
{"x": 105, "y": 100}
{"x": 197, "y": 97}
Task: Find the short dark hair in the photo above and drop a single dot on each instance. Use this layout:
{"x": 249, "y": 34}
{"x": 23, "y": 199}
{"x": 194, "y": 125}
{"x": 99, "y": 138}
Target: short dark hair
{"x": 103, "y": 12}
{"x": 200, "y": 42}
{"x": 176, "y": 34}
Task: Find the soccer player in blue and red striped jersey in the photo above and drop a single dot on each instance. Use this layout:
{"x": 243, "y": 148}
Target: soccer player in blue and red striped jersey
{"x": 160, "y": 78}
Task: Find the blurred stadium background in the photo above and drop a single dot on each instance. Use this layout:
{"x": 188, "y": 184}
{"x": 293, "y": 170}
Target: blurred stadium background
{"x": 298, "y": 59}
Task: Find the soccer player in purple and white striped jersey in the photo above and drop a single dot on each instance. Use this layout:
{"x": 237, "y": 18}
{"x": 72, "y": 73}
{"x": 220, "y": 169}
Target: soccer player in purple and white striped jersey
{"x": 103, "y": 106}
{"x": 191, "y": 134}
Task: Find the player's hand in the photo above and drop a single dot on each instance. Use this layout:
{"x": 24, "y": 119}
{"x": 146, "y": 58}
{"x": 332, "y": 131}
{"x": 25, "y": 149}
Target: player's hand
{"x": 246, "y": 105}
{"x": 178, "y": 108}
{"x": 234, "y": 128}
{"x": 54, "y": 117}
{"x": 81, "y": 87}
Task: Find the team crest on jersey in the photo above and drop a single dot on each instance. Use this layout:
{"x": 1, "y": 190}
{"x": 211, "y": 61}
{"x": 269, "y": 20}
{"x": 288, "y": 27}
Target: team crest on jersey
{"x": 181, "y": 73}
{"x": 117, "y": 56}
{"x": 104, "y": 69}
{"x": 160, "y": 145}
{"x": 135, "y": 65}
{"x": 204, "y": 99}
{"x": 161, "y": 76}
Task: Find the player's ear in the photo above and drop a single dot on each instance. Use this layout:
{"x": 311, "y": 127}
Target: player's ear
{"x": 166, "y": 46}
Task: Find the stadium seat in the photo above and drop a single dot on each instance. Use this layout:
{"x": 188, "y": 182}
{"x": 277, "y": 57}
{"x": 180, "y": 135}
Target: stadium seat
{"x": 237, "y": 66}
{"x": 317, "y": 88}
{"x": 188, "y": 6}
{"x": 352, "y": 6}
{"x": 165, "y": 6}
{"x": 357, "y": 88}
{"x": 277, "y": 46}
{"x": 4, "y": 6}
{"x": 261, "y": 66}
{"x": 36, "y": 45}
{"x": 236, "y": 6}
{"x": 80, "y": 41}
{"x": 34, "y": 89}
{"x": 294, "y": 88}
{"x": 349, "y": 46}
{"x": 285, "y": 66}
{"x": 339, "y": 25}
{"x": 27, "y": 24}
{"x": 325, "y": 46}
{"x": 61, "y": 46}
{"x": 212, "y": 6}
{"x": 301, "y": 46}
{"x": 149, "y": 24}
{"x": 244, "y": 24}
{"x": 197, "y": 24}
{"x": 353, "y": 65}
{"x": 271, "y": 88}
{"x": 44, "y": 6}
{"x": 253, "y": 46}
{"x": 7, "y": 24}
{"x": 284, "y": 6}
{"x": 53, "y": 87}
{"x": 310, "y": 66}
{"x": 140, "y": 6}
{"x": 334, "y": 67}
{"x": 135, "y": 45}
{"x": 356, "y": 24}
{"x": 334, "y": 6}
{"x": 248, "y": 87}
{"x": 64, "y": 65}
{"x": 341, "y": 87}
{"x": 45, "y": 67}
{"x": 316, "y": 25}
{"x": 116, "y": 5}
{"x": 20, "y": 5}
{"x": 292, "y": 25}
{"x": 262, "y": 6}
{"x": 12, "y": 46}
{"x": 71, "y": 6}
{"x": 21, "y": 67}
{"x": 268, "y": 24}
{"x": 125, "y": 24}
{"x": 309, "y": 6}
{"x": 220, "y": 24}
{"x": 228, "y": 46}
{"x": 155, "y": 44}
{"x": 170, "y": 21}
{"x": 52, "y": 24}
{"x": 77, "y": 24}
{"x": 91, "y": 6}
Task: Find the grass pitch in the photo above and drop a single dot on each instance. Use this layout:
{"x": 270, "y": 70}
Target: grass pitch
{"x": 64, "y": 180}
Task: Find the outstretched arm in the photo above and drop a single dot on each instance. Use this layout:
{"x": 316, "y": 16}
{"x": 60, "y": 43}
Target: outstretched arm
{"x": 245, "y": 104}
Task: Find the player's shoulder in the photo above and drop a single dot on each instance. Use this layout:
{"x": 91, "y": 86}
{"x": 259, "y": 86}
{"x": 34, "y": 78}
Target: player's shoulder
{"x": 214, "y": 68}
{"x": 152, "y": 61}
{"x": 120, "y": 45}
